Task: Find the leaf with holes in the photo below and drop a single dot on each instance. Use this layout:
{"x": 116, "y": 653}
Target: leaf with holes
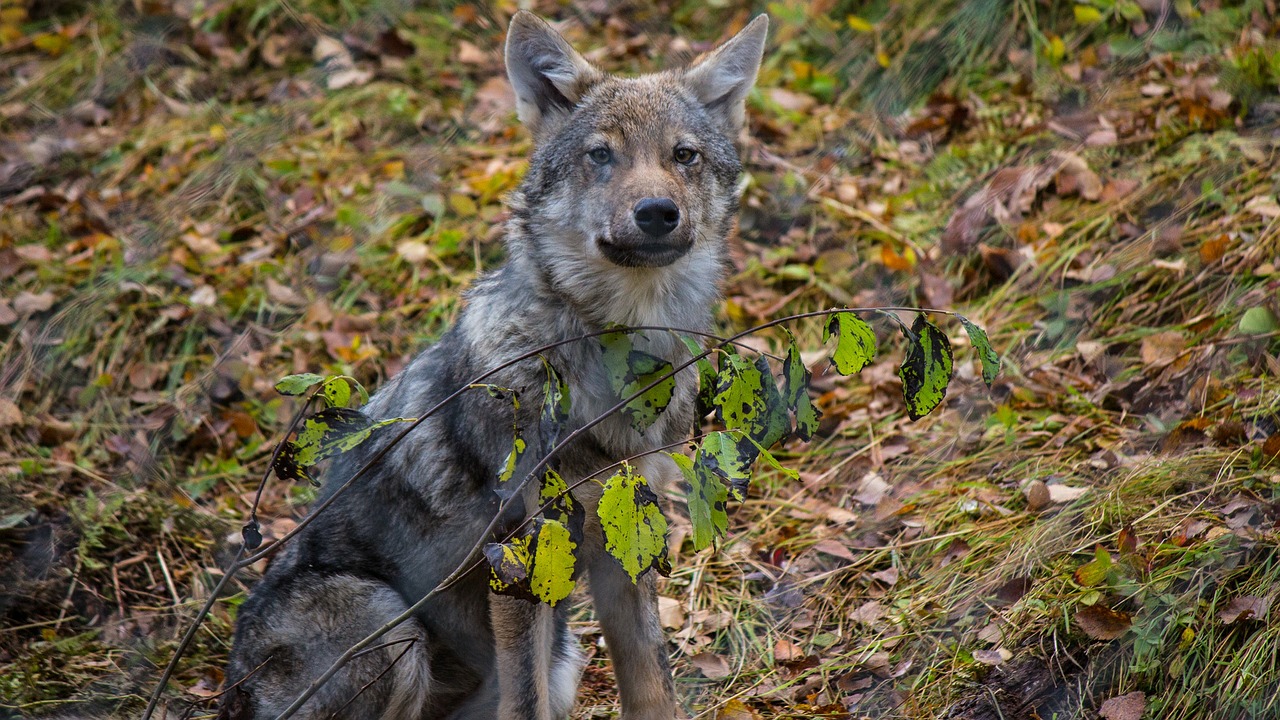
{"x": 336, "y": 391}
{"x": 797, "y": 378}
{"x": 708, "y": 499}
{"x": 509, "y": 566}
{"x": 630, "y": 370}
{"x": 990, "y": 360}
{"x": 729, "y": 456}
{"x": 555, "y": 408}
{"x": 297, "y": 384}
{"x": 926, "y": 369}
{"x": 553, "y": 559}
{"x": 635, "y": 531}
{"x": 747, "y": 399}
{"x": 561, "y": 505}
{"x": 855, "y": 342}
{"x": 706, "y": 378}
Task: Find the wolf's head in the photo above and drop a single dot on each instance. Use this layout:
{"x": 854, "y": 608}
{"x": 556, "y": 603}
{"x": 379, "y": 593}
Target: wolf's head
{"x": 632, "y": 180}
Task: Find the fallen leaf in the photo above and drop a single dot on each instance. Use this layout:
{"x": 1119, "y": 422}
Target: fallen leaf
{"x": 867, "y": 613}
{"x": 26, "y": 303}
{"x": 992, "y": 657}
{"x": 1162, "y": 348}
{"x": 1124, "y": 707}
{"x": 1248, "y": 607}
{"x": 786, "y": 651}
{"x": 791, "y": 101}
{"x": 711, "y": 665}
{"x": 888, "y": 576}
{"x": 204, "y": 296}
{"x": 1102, "y": 623}
{"x": 10, "y": 415}
{"x": 1065, "y": 493}
{"x": 670, "y": 613}
{"x": 736, "y": 710}
{"x": 872, "y": 489}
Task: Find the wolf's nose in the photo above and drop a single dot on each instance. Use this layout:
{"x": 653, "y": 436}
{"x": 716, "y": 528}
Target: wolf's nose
{"x": 657, "y": 216}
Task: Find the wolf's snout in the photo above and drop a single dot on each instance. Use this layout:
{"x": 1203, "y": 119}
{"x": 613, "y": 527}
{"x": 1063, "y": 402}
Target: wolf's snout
{"x": 656, "y": 216}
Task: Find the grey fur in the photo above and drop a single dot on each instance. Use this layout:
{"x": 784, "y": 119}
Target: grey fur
{"x": 390, "y": 539}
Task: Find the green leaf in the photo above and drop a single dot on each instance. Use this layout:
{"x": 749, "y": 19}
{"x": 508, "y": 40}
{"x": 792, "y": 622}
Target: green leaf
{"x": 990, "y": 360}
{"x": 729, "y": 456}
{"x": 297, "y": 384}
{"x": 706, "y": 378}
{"x": 563, "y": 507}
{"x": 555, "y": 408}
{"x": 537, "y": 564}
{"x": 1094, "y": 571}
{"x": 797, "y": 378}
{"x": 336, "y": 391}
{"x": 553, "y": 559}
{"x": 1258, "y": 321}
{"x": 926, "y": 369}
{"x": 708, "y": 498}
{"x": 1087, "y": 15}
{"x": 747, "y": 399}
{"x": 855, "y": 342}
{"x": 635, "y": 531}
{"x": 629, "y": 370}
{"x": 324, "y": 433}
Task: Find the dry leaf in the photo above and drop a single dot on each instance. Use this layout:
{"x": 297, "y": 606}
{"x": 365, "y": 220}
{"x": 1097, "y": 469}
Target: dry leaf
{"x": 27, "y": 303}
{"x": 736, "y": 710}
{"x": 711, "y": 665}
{"x": 786, "y": 651}
{"x": 670, "y": 613}
{"x": 1162, "y": 348}
{"x": 872, "y": 489}
{"x": 204, "y": 296}
{"x": 1102, "y": 623}
{"x": 10, "y": 414}
{"x": 1066, "y": 493}
{"x": 1248, "y": 607}
{"x": 1124, "y": 707}
{"x": 992, "y": 657}
{"x": 867, "y": 613}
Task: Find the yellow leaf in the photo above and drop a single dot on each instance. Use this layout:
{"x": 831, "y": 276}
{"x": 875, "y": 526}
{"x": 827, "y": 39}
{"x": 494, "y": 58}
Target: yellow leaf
{"x": 218, "y": 133}
{"x": 882, "y": 58}
{"x": 393, "y": 169}
{"x": 860, "y": 25}
{"x": 51, "y": 43}
{"x": 1087, "y": 14}
{"x": 1056, "y": 50}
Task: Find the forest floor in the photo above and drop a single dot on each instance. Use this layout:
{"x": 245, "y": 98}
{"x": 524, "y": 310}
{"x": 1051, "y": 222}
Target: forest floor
{"x": 199, "y": 198}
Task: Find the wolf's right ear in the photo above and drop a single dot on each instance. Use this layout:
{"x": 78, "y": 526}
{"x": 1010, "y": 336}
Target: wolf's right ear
{"x": 547, "y": 75}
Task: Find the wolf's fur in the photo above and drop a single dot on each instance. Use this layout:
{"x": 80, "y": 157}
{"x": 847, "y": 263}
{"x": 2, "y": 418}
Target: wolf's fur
{"x": 578, "y": 260}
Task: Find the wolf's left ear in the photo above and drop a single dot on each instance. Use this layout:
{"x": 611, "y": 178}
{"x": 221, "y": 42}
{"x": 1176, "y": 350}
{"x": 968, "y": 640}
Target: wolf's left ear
{"x": 547, "y": 75}
{"x": 722, "y": 79}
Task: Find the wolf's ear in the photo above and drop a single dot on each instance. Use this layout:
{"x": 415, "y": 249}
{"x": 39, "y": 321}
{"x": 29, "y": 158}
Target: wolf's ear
{"x": 722, "y": 79}
{"x": 548, "y": 76}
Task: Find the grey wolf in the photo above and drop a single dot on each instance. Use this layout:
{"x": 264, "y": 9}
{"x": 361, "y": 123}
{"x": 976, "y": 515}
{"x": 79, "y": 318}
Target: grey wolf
{"x": 621, "y": 218}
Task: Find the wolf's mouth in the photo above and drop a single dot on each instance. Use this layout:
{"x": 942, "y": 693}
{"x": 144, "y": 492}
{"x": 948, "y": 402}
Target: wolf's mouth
{"x": 650, "y": 254}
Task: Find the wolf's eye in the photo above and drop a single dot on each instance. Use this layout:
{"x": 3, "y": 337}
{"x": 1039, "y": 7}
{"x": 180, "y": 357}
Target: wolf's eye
{"x": 600, "y": 155}
{"x": 686, "y": 156}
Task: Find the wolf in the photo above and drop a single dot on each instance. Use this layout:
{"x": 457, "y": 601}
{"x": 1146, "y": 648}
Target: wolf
{"x": 621, "y": 218}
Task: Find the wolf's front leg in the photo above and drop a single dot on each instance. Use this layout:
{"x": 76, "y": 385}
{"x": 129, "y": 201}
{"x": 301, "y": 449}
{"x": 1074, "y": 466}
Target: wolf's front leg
{"x": 538, "y": 661}
{"x": 629, "y": 618}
